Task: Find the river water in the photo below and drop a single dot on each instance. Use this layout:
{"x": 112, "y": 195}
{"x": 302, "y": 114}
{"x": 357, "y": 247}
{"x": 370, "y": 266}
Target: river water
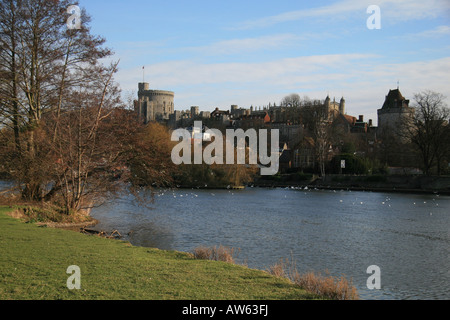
{"x": 341, "y": 232}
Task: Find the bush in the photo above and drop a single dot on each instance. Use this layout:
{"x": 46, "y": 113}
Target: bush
{"x": 353, "y": 164}
{"x": 220, "y": 253}
{"x": 284, "y": 269}
{"x": 325, "y": 286}
{"x": 328, "y": 286}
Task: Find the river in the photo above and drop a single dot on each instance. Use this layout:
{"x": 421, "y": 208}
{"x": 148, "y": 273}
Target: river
{"x": 341, "y": 232}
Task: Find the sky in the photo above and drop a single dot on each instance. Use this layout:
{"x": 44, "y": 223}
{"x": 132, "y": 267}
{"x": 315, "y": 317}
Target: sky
{"x": 252, "y": 53}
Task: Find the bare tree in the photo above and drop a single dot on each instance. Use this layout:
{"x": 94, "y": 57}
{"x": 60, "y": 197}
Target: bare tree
{"x": 79, "y": 150}
{"x": 67, "y": 137}
{"x": 41, "y": 61}
{"x": 428, "y": 130}
{"x": 292, "y": 100}
{"x": 314, "y": 118}
{"x": 9, "y": 42}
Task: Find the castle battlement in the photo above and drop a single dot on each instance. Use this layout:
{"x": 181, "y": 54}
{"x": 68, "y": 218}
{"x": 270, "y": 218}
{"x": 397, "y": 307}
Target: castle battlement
{"x": 157, "y": 93}
{"x": 154, "y": 104}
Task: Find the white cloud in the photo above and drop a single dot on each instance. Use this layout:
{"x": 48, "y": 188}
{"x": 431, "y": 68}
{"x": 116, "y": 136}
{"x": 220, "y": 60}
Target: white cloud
{"x": 436, "y": 32}
{"x": 237, "y": 46}
{"x": 363, "y": 79}
{"x": 186, "y": 72}
{"x": 326, "y": 11}
{"x": 392, "y": 11}
{"x": 404, "y": 10}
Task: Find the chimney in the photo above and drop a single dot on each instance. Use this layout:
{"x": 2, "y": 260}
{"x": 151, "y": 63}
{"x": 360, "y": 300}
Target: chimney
{"x": 361, "y": 118}
{"x": 370, "y": 123}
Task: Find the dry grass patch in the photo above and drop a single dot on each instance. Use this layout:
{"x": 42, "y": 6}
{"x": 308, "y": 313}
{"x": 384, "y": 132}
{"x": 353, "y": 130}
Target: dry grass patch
{"x": 327, "y": 286}
{"x": 336, "y": 288}
{"x": 220, "y": 253}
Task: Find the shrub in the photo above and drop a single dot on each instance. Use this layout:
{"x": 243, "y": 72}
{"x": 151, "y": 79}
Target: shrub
{"x": 353, "y": 164}
{"x": 284, "y": 269}
{"x": 220, "y": 253}
{"x": 325, "y": 286}
{"x": 336, "y": 288}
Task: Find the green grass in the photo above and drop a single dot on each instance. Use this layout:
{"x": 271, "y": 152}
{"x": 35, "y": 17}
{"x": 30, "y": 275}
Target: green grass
{"x": 34, "y": 260}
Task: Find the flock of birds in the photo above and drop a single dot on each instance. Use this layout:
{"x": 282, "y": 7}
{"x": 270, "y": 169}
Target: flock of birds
{"x": 177, "y": 193}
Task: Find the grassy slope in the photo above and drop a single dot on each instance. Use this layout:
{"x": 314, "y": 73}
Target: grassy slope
{"x": 34, "y": 260}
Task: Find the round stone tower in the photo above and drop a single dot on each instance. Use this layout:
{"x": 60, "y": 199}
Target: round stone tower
{"x": 154, "y": 105}
{"x": 395, "y": 113}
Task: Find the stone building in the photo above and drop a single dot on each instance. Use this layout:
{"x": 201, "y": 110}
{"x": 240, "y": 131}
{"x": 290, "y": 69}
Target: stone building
{"x": 394, "y": 113}
{"x": 221, "y": 116}
{"x": 237, "y": 112}
{"x": 393, "y": 120}
{"x": 195, "y": 112}
{"x": 154, "y": 105}
{"x": 333, "y": 109}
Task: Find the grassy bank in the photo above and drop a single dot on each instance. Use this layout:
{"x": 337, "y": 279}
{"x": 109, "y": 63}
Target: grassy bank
{"x": 34, "y": 261}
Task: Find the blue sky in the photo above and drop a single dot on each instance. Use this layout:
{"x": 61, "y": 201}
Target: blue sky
{"x": 219, "y": 53}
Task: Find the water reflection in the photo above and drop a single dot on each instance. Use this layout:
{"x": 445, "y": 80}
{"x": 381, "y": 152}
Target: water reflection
{"x": 406, "y": 235}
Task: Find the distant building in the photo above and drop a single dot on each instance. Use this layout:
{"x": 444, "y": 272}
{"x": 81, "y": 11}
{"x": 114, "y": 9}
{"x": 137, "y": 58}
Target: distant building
{"x": 394, "y": 112}
{"x": 174, "y": 118}
{"x": 254, "y": 120}
{"x": 304, "y": 156}
{"x": 194, "y": 111}
{"x": 221, "y": 116}
{"x": 393, "y": 118}
{"x": 237, "y": 112}
{"x": 333, "y": 108}
{"x": 154, "y": 105}
{"x": 205, "y": 114}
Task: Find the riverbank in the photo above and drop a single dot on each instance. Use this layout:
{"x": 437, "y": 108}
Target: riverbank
{"x": 35, "y": 260}
{"x": 376, "y": 183}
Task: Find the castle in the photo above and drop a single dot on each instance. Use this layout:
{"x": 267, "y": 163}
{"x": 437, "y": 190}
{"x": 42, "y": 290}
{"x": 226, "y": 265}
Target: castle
{"x": 153, "y": 105}
{"x": 158, "y": 105}
{"x": 291, "y": 121}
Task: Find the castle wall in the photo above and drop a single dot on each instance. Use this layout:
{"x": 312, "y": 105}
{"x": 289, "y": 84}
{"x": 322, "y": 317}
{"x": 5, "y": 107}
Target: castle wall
{"x": 155, "y": 104}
